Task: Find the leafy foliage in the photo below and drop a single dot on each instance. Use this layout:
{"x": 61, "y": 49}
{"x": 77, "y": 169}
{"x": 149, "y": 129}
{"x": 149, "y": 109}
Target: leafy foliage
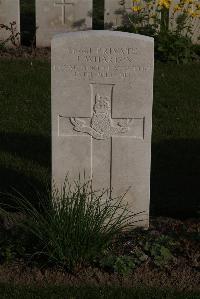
{"x": 160, "y": 251}
{"x": 142, "y": 247}
{"x": 173, "y": 35}
{"x": 123, "y": 264}
{"x": 73, "y": 225}
{"x": 170, "y": 46}
{"x": 120, "y": 264}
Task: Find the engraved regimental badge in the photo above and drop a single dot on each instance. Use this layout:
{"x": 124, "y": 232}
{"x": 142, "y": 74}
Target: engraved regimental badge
{"x": 101, "y": 124}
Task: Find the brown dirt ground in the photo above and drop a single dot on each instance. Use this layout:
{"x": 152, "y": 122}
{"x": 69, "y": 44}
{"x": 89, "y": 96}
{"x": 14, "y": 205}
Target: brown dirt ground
{"x": 182, "y": 275}
{"x": 180, "y": 278}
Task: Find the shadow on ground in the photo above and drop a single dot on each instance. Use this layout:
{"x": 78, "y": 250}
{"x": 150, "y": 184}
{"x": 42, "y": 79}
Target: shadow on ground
{"x": 175, "y": 173}
{"x": 25, "y": 167}
{"x": 175, "y": 178}
{"x": 36, "y": 148}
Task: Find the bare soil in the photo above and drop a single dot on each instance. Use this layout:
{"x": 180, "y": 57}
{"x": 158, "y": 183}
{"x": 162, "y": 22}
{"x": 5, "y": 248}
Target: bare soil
{"x": 182, "y": 274}
{"x": 180, "y": 278}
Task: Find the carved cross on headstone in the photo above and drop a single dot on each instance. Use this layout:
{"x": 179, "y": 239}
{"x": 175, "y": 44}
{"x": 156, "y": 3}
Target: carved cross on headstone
{"x": 101, "y": 128}
{"x": 64, "y": 6}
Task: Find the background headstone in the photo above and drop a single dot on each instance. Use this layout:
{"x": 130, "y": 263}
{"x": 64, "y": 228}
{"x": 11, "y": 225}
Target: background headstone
{"x": 195, "y": 23}
{"x": 9, "y": 13}
{"x": 102, "y": 95}
{"x": 114, "y": 12}
{"x": 196, "y": 31}
{"x": 57, "y": 16}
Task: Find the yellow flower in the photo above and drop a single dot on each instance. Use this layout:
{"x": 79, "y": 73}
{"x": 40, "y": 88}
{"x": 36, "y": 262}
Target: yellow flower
{"x": 188, "y": 1}
{"x": 164, "y": 3}
{"x": 193, "y": 13}
{"x": 177, "y": 7}
{"x": 197, "y": 6}
{"x": 136, "y": 8}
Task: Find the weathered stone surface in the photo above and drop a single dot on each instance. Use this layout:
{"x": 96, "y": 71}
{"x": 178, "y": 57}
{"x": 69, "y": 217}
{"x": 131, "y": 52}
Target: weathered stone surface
{"x": 115, "y": 11}
{"x": 102, "y": 95}
{"x": 57, "y": 16}
{"x": 9, "y": 13}
{"x": 193, "y": 22}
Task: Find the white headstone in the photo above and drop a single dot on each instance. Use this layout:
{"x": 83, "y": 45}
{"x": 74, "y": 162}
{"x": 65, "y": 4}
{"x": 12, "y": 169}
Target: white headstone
{"x": 196, "y": 31}
{"x": 58, "y": 16}
{"x": 9, "y": 13}
{"x": 193, "y": 22}
{"x": 102, "y": 95}
{"x": 115, "y": 10}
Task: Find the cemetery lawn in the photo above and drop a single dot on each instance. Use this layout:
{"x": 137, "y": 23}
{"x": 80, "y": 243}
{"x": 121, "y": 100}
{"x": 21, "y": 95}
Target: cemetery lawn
{"x": 88, "y": 292}
{"x": 25, "y": 164}
{"x": 26, "y": 129}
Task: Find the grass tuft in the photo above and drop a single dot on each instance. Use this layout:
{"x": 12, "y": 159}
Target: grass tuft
{"x": 73, "y": 225}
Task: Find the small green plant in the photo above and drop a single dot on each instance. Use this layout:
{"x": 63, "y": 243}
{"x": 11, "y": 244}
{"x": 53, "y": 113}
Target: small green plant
{"x": 74, "y": 225}
{"x": 160, "y": 250}
{"x": 122, "y": 265}
{"x": 137, "y": 247}
{"x": 170, "y": 46}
